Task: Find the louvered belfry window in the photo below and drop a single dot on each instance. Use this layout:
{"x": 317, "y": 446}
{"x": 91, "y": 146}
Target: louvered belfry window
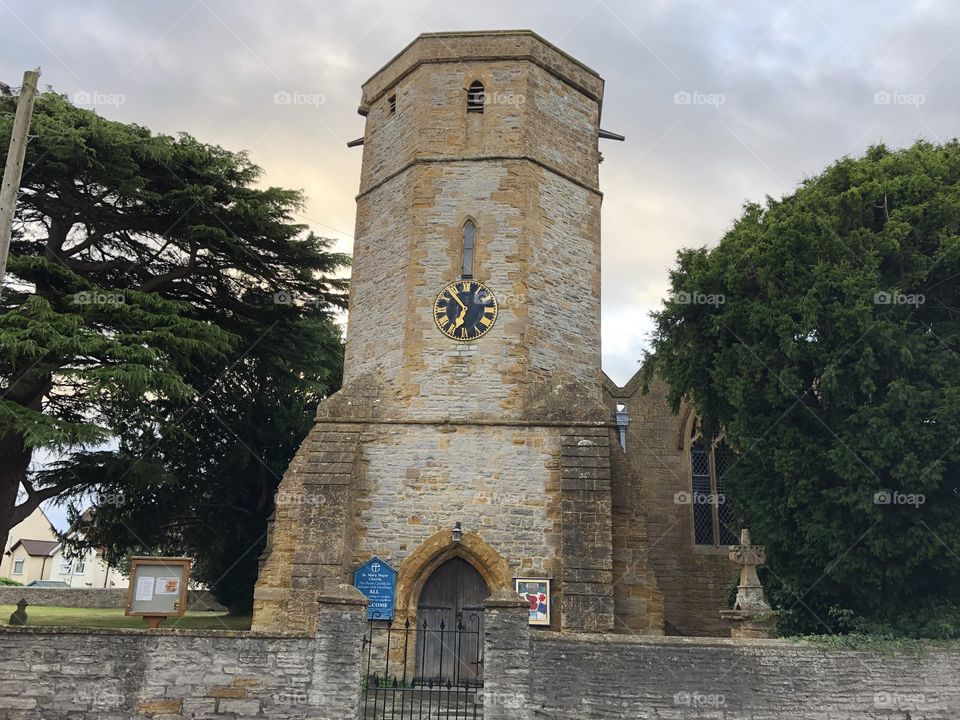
{"x": 475, "y": 97}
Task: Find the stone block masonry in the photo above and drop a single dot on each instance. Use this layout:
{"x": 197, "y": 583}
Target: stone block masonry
{"x": 535, "y": 674}
{"x": 93, "y": 598}
{"x": 58, "y": 674}
{"x": 525, "y": 173}
{"x": 693, "y": 579}
{"x": 428, "y": 434}
{"x": 586, "y": 541}
{"x": 67, "y": 674}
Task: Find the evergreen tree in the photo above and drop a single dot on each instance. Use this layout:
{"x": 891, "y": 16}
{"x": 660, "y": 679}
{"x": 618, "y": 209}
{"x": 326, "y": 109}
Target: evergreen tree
{"x": 149, "y": 278}
{"x": 830, "y": 355}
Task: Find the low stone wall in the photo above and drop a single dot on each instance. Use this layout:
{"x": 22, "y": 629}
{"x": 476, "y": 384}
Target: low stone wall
{"x": 532, "y": 674}
{"x": 93, "y": 597}
{"x": 79, "y": 674}
{"x": 74, "y": 674}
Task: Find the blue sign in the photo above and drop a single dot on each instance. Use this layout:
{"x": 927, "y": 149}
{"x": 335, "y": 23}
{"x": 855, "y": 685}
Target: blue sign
{"x": 378, "y": 581}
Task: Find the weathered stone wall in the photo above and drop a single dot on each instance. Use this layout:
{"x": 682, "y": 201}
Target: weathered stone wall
{"x": 638, "y": 599}
{"x": 586, "y": 534}
{"x": 538, "y": 496}
{"x": 94, "y": 597}
{"x": 60, "y": 674}
{"x": 383, "y": 231}
{"x": 506, "y": 657}
{"x": 501, "y": 482}
{"x": 525, "y": 172}
{"x": 540, "y": 102}
{"x": 563, "y": 281}
{"x": 506, "y": 434}
{"x": 693, "y": 578}
{"x": 587, "y": 677}
{"x": 542, "y": 265}
{"x": 532, "y": 674}
{"x": 311, "y": 528}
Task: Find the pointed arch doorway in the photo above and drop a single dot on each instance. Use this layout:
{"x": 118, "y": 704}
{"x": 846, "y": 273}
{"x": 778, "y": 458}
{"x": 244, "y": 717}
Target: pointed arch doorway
{"x": 450, "y": 610}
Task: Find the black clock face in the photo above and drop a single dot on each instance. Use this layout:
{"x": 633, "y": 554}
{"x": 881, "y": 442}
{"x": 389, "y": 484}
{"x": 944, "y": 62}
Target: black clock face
{"x": 465, "y": 310}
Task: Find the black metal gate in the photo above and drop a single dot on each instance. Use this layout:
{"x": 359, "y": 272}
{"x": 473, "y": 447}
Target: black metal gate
{"x": 424, "y": 672}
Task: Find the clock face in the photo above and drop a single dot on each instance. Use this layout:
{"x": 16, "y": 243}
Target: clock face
{"x": 465, "y": 310}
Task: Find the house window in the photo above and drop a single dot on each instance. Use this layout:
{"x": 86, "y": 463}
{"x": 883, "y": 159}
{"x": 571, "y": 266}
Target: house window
{"x": 469, "y": 233}
{"x": 475, "y": 97}
{"x": 392, "y": 104}
{"x": 18, "y": 566}
{"x": 713, "y": 520}
{"x": 81, "y": 566}
{"x": 65, "y": 566}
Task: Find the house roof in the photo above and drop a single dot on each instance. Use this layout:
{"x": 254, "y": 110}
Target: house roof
{"x": 36, "y": 548}
{"x": 48, "y": 584}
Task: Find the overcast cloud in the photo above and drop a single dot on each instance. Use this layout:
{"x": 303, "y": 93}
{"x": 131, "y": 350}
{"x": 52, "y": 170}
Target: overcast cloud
{"x": 776, "y": 90}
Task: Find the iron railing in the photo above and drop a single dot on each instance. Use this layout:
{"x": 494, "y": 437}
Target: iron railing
{"x": 424, "y": 672}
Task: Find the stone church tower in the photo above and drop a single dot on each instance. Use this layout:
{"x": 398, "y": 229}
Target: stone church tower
{"x": 471, "y": 443}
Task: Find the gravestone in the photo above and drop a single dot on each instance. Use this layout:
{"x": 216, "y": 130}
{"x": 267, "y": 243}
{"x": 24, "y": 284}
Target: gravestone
{"x": 19, "y": 616}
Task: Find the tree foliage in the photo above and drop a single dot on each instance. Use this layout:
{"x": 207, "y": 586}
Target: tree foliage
{"x": 209, "y": 489}
{"x": 152, "y": 282}
{"x": 830, "y": 355}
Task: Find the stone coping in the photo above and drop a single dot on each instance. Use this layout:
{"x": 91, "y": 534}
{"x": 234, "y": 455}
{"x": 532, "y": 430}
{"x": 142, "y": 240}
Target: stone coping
{"x": 506, "y": 598}
{"x": 146, "y": 632}
{"x": 537, "y": 634}
{"x": 342, "y": 595}
{"x": 682, "y": 641}
{"x": 519, "y": 32}
{"x": 446, "y": 421}
{"x": 515, "y": 45}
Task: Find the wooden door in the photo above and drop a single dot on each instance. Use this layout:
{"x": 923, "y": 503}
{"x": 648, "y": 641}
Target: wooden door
{"x": 450, "y": 624}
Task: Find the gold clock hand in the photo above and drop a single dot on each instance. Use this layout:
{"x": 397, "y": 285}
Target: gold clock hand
{"x": 456, "y": 297}
{"x": 460, "y": 319}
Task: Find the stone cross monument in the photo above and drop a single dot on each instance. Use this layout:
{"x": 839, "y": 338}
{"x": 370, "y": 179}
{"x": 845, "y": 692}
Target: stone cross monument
{"x": 751, "y": 615}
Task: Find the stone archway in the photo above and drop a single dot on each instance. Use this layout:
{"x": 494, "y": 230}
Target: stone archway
{"x": 436, "y": 550}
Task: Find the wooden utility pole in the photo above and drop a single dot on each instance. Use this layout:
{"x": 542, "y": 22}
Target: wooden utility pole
{"x": 14, "y": 167}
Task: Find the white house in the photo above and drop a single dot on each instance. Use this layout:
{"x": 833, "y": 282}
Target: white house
{"x": 87, "y": 571}
{"x": 34, "y": 553}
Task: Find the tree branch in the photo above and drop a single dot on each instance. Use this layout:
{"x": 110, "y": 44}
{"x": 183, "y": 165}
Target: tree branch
{"x": 35, "y": 497}
{"x": 80, "y": 247}
{"x": 160, "y": 280}
{"x": 95, "y": 267}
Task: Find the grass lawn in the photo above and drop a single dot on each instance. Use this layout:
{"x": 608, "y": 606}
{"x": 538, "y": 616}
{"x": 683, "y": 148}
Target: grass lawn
{"x": 114, "y": 618}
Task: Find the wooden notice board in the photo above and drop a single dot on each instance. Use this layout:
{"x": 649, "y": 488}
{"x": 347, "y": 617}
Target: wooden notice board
{"x": 158, "y": 587}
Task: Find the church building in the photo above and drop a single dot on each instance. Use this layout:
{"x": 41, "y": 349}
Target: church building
{"x": 476, "y": 442}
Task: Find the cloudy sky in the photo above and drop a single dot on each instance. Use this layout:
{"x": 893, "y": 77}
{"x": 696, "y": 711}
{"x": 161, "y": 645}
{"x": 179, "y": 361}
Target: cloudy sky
{"x": 721, "y": 102}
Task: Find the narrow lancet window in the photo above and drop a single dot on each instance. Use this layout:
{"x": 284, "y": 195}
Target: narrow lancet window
{"x": 469, "y": 231}
{"x": 475, "y": 97}
{"x": 714, "y": 522}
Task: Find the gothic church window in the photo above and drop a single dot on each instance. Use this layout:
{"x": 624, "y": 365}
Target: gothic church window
{"x": 469, "y": 232}
{"x": 475, "y": 97}
{"x": 713, "y": 521}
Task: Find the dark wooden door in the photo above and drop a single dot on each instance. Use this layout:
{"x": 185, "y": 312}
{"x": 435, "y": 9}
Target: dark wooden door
{"x": 450, "y": 624}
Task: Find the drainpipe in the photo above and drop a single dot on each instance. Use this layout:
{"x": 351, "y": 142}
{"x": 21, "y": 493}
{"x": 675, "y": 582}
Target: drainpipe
{"x": 622, "y": 418}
